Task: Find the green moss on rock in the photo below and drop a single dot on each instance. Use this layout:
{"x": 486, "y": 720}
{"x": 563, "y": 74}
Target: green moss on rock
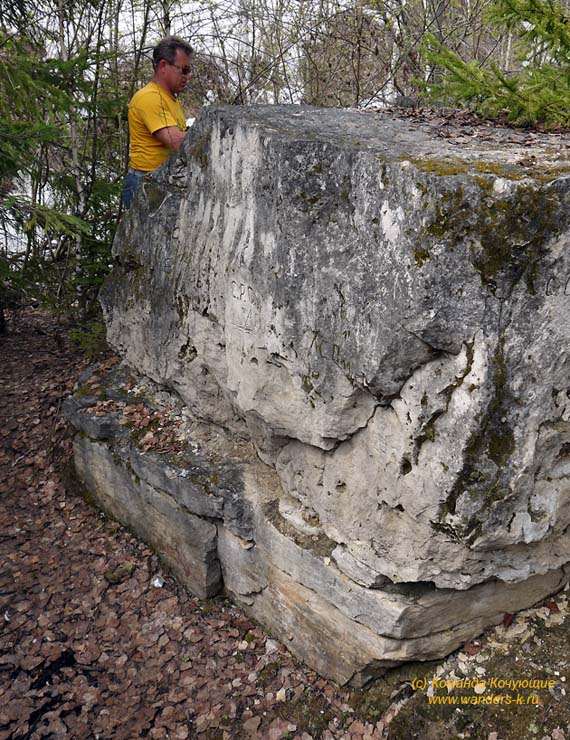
{"x": 486, "y": 459}
{"x": 421, "y": 255}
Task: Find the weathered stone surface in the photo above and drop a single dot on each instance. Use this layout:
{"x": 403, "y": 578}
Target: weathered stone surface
{"x": 311, "y": 626}
{"x": 95, "y": 427}
{"x": 401, "y": 612}
{"x": 276, "y": 568}
{"x": 382, "y": 311}
{"x": 186, "y": 542}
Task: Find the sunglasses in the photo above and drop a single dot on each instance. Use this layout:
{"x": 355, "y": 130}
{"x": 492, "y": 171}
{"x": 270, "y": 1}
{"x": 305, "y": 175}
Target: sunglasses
{"x": 183, "y": 70}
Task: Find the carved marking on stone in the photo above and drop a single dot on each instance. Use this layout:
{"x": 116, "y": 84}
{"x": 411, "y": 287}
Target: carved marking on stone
{"x": 152, "y": 185}
{"x": 245, "y": 306}
{"x": 558, "y": 286}
{"x": 328, "y": 351}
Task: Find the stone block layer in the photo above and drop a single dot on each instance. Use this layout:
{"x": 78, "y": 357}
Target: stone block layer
{"x": 380, "y": 310}
{"x": 183, "y": 504}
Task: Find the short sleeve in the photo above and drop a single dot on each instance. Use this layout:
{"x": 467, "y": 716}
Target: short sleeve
{"x": 154, "y": 113}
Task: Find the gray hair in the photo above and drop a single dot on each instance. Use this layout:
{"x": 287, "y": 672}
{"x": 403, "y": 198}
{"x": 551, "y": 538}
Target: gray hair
{"x": 166, "y": 49}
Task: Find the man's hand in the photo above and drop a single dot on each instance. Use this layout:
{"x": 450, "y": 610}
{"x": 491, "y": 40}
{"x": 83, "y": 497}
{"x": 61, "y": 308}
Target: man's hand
{"x": 170, "y": 136}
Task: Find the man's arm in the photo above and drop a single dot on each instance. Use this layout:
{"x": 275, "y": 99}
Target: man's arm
{"x": 170, "y": 136}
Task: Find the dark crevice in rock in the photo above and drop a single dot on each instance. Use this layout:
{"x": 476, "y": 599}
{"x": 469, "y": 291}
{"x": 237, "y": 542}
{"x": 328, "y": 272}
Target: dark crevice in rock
{"x": 486, "y": 455}
{"x": 349, "y": 436}
{"x": 428, "y": 431}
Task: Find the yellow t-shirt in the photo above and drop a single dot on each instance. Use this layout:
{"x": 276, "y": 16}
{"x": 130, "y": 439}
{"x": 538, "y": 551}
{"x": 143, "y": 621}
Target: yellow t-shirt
{"x": 151, "y": 109}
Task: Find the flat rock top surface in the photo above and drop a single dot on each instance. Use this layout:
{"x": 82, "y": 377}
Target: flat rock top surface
{"x": 395, "y": 135}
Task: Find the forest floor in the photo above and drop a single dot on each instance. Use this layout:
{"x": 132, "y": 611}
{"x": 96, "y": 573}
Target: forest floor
{"x": 97, "y": 640}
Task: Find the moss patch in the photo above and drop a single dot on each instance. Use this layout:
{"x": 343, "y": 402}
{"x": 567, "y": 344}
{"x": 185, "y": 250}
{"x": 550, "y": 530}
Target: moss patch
{"x": 512, "y": 232}
{"x": 541, "y": 173}
{"x": 441, "y": 168}
{"x": 504, "y": 233}
{"x": 311, "y": 711}
{"x": 200, "y": 151}
{"x": 370, "y": 703}
{"x": 486, "y": 458}
{"x": 540, "y": 712}
{"x": 421, "y": 255}
{"x": 89, "y": 392}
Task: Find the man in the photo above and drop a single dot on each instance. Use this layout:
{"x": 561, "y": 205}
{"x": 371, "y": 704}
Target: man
{"x": 156, "y": 118}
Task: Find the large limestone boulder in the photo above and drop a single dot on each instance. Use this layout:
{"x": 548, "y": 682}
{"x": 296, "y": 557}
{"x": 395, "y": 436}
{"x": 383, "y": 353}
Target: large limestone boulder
{"x": 381, "y": 310}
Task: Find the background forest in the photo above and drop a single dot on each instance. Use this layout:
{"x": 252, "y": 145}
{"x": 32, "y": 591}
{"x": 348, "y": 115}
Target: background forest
{"x": 69, "y": 67}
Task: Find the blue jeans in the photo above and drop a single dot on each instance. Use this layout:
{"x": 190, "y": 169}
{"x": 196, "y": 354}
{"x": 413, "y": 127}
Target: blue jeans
{"x": 131, "y": 184}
